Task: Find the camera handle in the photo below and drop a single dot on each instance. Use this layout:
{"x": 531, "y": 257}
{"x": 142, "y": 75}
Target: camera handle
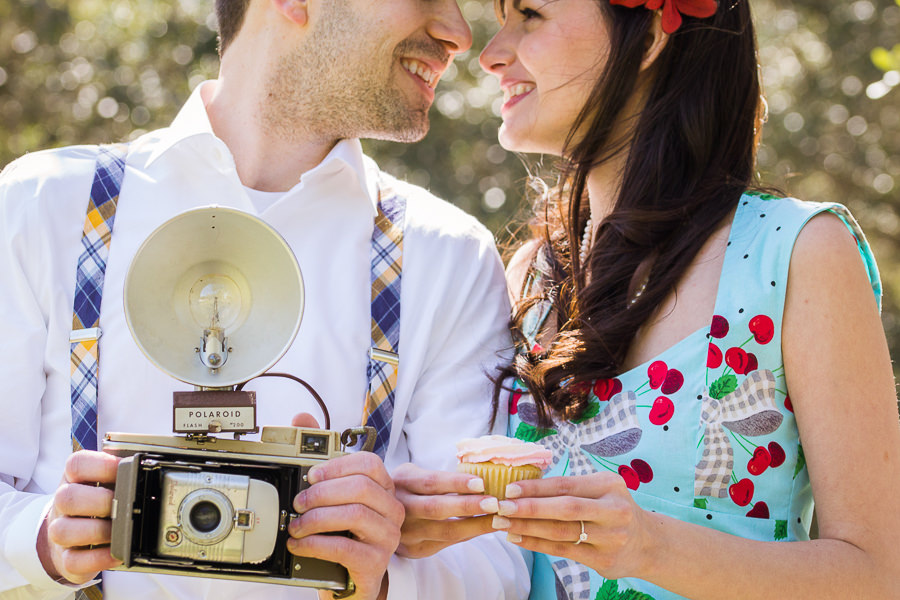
{"x": 350, "y": 437}
{"x": 309, "y": 388}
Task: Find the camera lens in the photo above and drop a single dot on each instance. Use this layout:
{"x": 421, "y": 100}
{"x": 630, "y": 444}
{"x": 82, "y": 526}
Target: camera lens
{"x": 205, "y": 516}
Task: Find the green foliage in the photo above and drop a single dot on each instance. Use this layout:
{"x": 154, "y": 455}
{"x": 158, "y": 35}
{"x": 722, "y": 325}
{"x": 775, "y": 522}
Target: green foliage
{"x": 723, "y": 386}
{"x": 701, "y": 503}
{"x": 610, "y": 591}
{"x": 87, "y": 71}
{"x": 528, "y": 433}
{"x": 780, "y": 530}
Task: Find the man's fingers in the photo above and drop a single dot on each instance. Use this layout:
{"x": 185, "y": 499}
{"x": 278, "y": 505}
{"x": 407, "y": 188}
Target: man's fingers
{"x": 358, "y": 463}
{"x": 451, "y": 530}
{"x": 426, "y": 482}
{"x": 78, "y": 531}
{"x": 87, "y": 466}
{"x": 365, "y": 524}
{"x": 79, "y": 500}
{"x": 81, "y": 565}
{"x": 352, "y": 489}
{"x": 304, "y": 420}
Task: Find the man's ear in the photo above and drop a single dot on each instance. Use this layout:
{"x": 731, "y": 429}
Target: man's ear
{"x": 294, "y": 10}
{"x": 656, "y": 41}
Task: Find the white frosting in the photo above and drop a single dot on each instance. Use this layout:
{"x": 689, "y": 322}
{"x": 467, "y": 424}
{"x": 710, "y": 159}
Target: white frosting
{"x": 503, "y": 450}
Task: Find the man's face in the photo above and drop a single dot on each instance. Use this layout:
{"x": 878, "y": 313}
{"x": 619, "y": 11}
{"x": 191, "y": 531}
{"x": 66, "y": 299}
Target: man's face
{"x": 366, "y": 68}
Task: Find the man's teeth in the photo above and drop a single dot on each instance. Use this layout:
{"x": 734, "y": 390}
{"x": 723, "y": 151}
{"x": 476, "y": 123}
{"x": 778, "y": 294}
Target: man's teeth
{"x": 517, "y": 90}
{"x": 416, "y": 68}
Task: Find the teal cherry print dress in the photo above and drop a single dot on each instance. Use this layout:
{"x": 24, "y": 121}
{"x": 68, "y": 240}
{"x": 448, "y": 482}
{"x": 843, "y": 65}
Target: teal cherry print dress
{"x": 705, "y": 431}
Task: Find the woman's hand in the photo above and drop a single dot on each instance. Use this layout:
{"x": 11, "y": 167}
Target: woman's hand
{"x": 442, "y": 509}
{"x": 550, "y": 515}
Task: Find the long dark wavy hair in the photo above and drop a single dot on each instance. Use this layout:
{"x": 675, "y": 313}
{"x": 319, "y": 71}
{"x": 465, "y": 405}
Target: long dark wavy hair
{"x": 690, "y": 156}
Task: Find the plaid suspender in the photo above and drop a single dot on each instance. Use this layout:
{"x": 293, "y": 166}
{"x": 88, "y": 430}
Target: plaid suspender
{"x": 387, "y": 260}
{"x": 95, "y": 239}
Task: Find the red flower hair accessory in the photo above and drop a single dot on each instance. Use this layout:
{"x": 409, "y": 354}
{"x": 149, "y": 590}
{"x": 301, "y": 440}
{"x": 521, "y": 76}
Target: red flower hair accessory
{"x": 673, "y": 9}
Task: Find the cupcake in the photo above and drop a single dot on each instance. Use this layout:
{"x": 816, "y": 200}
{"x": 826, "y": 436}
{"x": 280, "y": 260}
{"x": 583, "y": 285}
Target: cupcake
{"x": 501, "y": 460}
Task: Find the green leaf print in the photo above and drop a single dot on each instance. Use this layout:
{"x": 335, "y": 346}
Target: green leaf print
{"x": 701, "y": 503}
{"x": 780, "y": 529}
{"x": 762, "y": 196}
{"x": 609, "y": 590}
{"x": 592, "y": 411}
{"x": 723, "y": 386}
{"x": 528, "y": 433}
{"x": 801, "y": 461}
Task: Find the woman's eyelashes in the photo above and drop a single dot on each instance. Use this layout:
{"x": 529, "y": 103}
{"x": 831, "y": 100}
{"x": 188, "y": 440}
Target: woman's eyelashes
{"x": 528, "y": 13}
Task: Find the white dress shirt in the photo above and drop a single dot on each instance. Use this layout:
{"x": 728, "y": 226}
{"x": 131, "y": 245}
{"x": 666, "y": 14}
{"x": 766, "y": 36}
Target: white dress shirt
{"x": 453, "y": 334}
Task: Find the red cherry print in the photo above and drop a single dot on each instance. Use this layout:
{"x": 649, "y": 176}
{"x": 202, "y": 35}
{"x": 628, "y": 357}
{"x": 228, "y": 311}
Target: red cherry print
{"x": 632, "y": 481}
{"x": 643, "y": 470}
{"x": 752, "y": 363}
{"x": 673, "y": 382}
{"x": 776, "y": 452}
{"x": 760, "y": 510}
{"x": 760, "y": 461}
{"x": 762, "y": 329}
{"x": 737, "y": 359}
{"x": 514, "y": 402}
{"x": 537, "y": 349}
{"x": 661, "y": 411}
{"x": 741, "y": 492}
{"x": 713, "y": 357}
{"x": 719, "y": 327}
{"x": 605, "y": 389}
{"x": 787, "y": 403}
{"x": 657, "y": 373}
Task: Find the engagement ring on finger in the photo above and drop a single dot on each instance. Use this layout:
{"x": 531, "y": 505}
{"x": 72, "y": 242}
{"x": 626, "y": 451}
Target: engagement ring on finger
{"x": 583, "y": 536}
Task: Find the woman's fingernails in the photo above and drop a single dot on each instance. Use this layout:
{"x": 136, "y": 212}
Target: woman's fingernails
{"x": 507, "y": 508}
{"x": 476, "y": 485}
{"x": 514, "y": 538}
{"x": 500, "y": 522}
{"x": 513, "y": 491}
{"x": 489, "y": 505}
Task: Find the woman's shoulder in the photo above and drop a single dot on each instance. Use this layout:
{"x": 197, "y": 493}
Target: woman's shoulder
{"x": 801, "y": 231}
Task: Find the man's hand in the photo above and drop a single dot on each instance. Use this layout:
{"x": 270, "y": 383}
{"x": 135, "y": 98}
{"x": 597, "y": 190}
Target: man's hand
{"x": 351, "y": 493}
{"x": 442, "y": 509}
{"x": 73, "y": 542}
{"x": 366, "y": 508}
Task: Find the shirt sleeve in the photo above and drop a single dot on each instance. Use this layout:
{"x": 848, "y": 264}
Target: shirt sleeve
{"x": 23, "y": 339}
{"x": 469, "y": 339}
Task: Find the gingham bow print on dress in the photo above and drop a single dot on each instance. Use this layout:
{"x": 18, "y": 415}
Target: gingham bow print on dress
{"x": 749, "y": 410}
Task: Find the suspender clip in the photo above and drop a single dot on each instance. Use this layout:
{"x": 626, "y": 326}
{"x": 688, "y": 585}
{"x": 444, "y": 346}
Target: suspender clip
{"x": 85, "y": 335}
{"x": 385, "y": 356}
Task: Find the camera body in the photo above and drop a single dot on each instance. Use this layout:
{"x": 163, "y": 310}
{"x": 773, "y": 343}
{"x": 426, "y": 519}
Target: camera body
{"x": 213, "y": 507}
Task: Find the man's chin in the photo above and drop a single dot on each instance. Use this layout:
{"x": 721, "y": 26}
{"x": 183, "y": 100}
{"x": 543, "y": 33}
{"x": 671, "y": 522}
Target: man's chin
{"x": 412, "y": 131}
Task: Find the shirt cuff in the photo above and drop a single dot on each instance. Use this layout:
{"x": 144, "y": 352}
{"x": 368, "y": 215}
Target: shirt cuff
{"x": 401, "y": 579}
{"x": 21, "y": 546}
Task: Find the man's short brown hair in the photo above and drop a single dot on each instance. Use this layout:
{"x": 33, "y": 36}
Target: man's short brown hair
{"x": 230, "y": 15}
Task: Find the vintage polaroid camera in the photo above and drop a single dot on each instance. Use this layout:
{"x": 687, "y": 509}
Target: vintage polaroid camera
{"x": 195, "y": 504}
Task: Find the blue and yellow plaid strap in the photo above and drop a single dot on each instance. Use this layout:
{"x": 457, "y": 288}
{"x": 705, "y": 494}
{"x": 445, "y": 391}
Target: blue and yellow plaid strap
{"x": 95, "y": 241}
{"x": 387, "y": 262}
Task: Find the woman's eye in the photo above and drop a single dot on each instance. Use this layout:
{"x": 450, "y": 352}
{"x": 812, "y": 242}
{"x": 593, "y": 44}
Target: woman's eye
{"x": 528, "y": 13}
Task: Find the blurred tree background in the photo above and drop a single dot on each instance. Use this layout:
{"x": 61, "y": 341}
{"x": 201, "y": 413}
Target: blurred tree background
{"x": 88, "y": 71}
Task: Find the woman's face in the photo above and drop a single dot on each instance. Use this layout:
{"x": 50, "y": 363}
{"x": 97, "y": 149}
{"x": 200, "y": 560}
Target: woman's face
{"x": 548, "y": 55}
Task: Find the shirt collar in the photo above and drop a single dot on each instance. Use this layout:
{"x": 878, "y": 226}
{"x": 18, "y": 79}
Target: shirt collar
{"x": 192, "y": 121}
